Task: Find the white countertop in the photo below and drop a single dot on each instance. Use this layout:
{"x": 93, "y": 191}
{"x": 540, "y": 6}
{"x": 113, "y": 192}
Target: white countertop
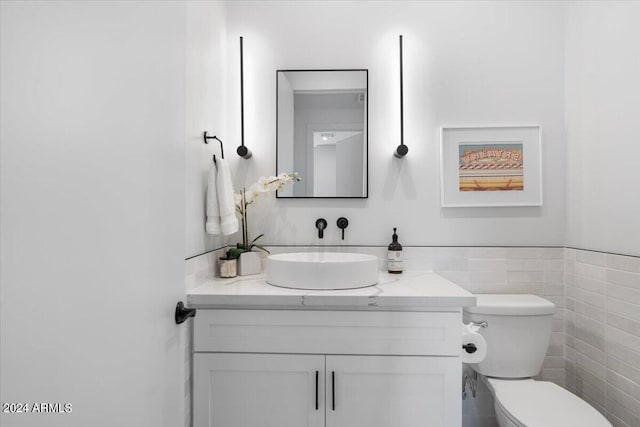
{"x": 411, "y": 290}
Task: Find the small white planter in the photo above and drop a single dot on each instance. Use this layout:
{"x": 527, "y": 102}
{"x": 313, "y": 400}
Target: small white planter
{"x": 249, "y": 263}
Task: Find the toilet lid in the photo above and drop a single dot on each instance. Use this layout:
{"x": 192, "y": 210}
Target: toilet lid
{"x": 511, "y": 305}
{"x": 545, "y": 404}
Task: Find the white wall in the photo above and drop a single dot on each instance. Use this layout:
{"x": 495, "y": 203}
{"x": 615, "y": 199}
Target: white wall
{"x": 92, "y": 211}
{"x": 603, "y": 130}
{"x": 465, "y": 64}
{"x": 205, "y": 103}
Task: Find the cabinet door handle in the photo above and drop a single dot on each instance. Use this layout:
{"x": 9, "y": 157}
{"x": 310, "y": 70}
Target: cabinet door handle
{"x": 317, "y": 390}
{"x": 333, "y": 390}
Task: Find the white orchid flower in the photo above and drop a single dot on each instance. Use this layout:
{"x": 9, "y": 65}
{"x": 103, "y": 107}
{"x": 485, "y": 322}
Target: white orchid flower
{"x": 246, "y": 196}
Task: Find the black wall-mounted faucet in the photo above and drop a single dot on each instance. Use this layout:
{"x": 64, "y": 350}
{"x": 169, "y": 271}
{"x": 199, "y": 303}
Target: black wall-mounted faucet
{"x": 321, "y": 224}
{"x": 342, "y": 224}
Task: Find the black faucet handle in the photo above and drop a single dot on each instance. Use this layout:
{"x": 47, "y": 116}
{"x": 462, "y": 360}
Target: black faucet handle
{"x": 321, "y": 224}
{"x": 342, "y": 224}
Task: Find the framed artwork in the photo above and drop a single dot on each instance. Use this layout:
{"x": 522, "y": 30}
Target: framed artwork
{"x": 490, "y": 166}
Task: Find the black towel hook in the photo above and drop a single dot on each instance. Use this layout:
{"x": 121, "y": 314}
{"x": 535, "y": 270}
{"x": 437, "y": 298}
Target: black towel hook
{"x": 206, "y": 141}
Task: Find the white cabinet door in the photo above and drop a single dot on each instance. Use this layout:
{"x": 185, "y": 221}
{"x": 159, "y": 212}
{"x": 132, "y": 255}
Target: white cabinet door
{"x": 398, "y": 391}
{"x": 258, "y": 390}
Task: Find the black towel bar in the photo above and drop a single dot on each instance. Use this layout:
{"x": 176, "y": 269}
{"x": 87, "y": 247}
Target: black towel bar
{"x": 206, "y": 141}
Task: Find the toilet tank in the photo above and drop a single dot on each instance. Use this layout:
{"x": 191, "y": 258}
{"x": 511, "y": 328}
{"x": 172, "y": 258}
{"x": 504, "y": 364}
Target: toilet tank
{"x": 517, "y": 333}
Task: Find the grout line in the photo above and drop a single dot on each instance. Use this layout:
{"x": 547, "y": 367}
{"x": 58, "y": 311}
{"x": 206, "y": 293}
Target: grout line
{"x": 624, "y": 362}
{"x": 589, "y": 357}
{"x": 207, "y": 252}
{"x": 632, "y": 410}
{"x": 623, "y": 300}
{"x": 622, "y": 285}
{"x": 431, "y": 246}
{"x": 601, "y": 252}
{"x": 626, "y": 345}
{"x": 587, "y": 291}
{"x": 416, "y": 246}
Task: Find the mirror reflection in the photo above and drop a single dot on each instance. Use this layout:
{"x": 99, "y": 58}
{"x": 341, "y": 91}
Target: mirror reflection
{"x": 322, "y": 132}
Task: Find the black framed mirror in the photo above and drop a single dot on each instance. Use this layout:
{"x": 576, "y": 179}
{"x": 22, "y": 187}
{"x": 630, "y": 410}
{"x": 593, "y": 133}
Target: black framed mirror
{"x": 322, "y": 132}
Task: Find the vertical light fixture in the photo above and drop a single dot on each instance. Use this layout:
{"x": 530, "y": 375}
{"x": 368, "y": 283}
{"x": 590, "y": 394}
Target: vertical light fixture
{"x": 402, "y": 149}
{"x": 242, "y": 151}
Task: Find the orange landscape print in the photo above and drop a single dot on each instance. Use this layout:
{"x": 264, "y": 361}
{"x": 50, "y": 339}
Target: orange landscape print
{"x": 491, "y": 167}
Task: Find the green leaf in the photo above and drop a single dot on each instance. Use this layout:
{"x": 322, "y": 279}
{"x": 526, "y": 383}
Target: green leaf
{"x": 262, "y": 248}
{"x": 235, "y": 253}
{"x": 254, "y": 240}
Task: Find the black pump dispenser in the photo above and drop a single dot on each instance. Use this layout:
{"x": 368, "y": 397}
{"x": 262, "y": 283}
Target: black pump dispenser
{"x": 394, "y": 255}
{"x": 395, "y": 246}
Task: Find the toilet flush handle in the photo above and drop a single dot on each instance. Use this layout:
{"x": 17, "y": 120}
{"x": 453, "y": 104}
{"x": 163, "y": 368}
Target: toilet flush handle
{"x": 482, "y": 324}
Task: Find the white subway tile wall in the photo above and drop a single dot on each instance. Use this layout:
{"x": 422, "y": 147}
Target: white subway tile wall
{"x": 602, "y": 348}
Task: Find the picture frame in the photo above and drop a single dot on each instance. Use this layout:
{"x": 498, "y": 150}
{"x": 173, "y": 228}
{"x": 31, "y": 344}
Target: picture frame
{"x": 490, "y": 166}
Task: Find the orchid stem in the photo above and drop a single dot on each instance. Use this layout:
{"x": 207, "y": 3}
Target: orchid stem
{"x": 245, "y": 231}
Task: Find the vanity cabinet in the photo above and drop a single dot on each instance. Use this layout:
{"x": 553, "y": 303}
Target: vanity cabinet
{"x": 251, "y": 390}
{"x": 286, "y": 390}
{"x": 385, "y": 391}
{"x": 326, "y": 368}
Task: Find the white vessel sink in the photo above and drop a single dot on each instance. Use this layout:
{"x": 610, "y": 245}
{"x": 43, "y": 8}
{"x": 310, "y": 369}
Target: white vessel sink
{"x": 322, "y": 270}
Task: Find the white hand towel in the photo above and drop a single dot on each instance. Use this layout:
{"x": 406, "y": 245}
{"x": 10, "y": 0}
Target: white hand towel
{"x": 213, "y": 211}
{"x": 226, "y": 204}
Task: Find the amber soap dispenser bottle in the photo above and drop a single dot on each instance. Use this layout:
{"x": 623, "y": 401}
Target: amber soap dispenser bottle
{"x": 394, "y": 255}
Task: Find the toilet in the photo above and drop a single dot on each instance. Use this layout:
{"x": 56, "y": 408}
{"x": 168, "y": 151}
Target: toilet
{"x": 517, "y": 331}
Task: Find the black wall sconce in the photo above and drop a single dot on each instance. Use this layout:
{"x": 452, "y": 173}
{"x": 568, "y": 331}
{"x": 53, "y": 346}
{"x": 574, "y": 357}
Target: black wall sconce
{"x": 242, "y": 151}
{"x": 402, "y": 149}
